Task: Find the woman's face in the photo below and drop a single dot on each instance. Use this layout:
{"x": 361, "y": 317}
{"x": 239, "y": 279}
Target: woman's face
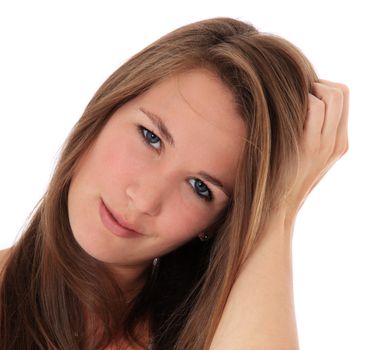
{"x": 156, "y": 183}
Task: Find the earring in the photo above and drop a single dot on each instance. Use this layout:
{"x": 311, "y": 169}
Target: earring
{"x": 155, "y": 266}
{"x": 155, "y": 261}
{"x": 203, "y": 236}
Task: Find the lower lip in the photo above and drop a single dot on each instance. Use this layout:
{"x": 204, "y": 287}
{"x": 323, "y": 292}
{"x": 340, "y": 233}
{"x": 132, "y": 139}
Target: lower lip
{"x": 111, "y": 224}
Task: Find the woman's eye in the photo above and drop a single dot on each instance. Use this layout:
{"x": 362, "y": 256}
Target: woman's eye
{"x": 198, "y": 186}
{"x": 149, "y": 137}
{"x": 201, "y": 189}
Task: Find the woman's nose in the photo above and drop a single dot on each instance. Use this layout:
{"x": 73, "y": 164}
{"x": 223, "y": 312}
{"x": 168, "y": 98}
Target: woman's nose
{"x": 146, "y": 195}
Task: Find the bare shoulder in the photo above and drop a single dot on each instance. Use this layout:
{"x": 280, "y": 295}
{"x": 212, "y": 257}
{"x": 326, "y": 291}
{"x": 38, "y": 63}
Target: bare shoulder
{"x": 4, "y": 254}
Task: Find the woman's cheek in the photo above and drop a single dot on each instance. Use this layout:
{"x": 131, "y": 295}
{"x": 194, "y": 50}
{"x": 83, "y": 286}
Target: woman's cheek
{"x": 187, "y": 214}
{"x": 128, "y": 153}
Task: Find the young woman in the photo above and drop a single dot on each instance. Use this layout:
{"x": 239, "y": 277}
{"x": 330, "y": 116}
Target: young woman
{"x": 168, "y": 221}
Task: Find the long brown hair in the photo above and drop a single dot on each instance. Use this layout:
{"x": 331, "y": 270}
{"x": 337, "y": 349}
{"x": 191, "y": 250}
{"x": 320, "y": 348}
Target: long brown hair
{"x": 49, "y": 281}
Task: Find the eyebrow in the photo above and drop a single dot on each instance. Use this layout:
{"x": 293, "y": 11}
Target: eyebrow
{"x": 161, "y": 126}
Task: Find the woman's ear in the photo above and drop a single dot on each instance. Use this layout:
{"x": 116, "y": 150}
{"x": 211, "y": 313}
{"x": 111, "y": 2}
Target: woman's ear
{"x": 203, "y": 236}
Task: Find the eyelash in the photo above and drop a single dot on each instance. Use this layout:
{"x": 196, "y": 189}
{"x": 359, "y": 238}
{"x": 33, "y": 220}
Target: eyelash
{"x": 141, "y": 131}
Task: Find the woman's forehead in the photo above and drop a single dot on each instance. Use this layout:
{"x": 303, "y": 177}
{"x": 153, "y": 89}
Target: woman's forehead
{"x": 197, "y": 97}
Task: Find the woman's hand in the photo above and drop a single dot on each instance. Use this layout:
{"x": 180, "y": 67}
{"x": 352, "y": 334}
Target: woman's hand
{"x": 324, "y": 141}
{"x": 259, "y": 312}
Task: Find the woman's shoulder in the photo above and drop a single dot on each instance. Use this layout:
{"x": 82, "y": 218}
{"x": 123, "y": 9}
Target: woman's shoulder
{"x": 4, "y": 254}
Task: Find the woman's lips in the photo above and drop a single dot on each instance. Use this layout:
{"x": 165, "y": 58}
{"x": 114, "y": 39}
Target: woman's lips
{"x": 113, "y": 226}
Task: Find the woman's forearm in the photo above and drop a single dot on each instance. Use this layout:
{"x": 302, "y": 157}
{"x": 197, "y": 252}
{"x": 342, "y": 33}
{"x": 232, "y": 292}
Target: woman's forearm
{"x": 259, "y": 313}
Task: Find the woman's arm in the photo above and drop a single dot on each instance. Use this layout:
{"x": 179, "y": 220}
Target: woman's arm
{"x": 259, "y": 313}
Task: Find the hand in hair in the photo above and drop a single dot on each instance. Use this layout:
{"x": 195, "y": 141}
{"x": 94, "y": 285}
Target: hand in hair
{"x": 259, "y": 312}
{"x": 324, "y": 141}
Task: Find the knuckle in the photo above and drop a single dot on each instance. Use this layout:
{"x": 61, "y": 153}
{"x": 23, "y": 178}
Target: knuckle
{"x": 319, "y": 105}
{"x": 336, "y": 94}
{"x": 344, "y": 89}
{"x": 341, "y": 148}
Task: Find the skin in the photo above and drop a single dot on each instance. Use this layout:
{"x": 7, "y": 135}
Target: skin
{"x": 259, "y": 313}
{"x": 151, "y": 185}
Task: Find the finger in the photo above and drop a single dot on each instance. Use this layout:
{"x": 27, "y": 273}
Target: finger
{"x": 333, "y": 99}
{"x": 313, "y": 124}
{"x": 342, "y": 131}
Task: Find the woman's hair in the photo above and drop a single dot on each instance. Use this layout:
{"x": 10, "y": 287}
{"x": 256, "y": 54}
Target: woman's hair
{"x": 50, "y": 283}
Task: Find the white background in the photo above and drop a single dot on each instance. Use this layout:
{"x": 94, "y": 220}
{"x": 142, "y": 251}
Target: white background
{"x": 54, "y": 55}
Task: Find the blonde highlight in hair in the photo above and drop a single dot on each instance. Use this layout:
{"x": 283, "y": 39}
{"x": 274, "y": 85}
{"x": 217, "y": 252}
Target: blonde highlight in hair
{"x": 49, "y": 281}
